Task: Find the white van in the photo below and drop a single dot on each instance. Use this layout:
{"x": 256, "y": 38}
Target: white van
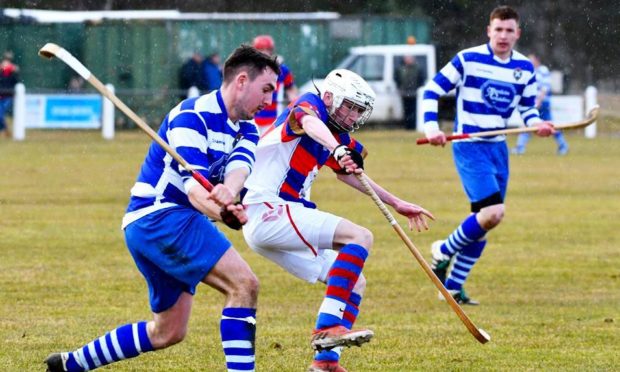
{"x": 377, "y": 64}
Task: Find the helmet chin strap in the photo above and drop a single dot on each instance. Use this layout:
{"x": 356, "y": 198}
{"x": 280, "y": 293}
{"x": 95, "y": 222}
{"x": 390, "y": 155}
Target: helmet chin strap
{"x": 334, "y": 126}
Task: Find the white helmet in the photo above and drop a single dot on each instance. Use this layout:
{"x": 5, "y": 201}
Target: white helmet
{"x": 348, "y": 86}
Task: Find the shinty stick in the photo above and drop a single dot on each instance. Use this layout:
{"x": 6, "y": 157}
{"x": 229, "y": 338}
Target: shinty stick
{"x": 51, "y": 50}
{"x": 480, "y": 335}
{"x": 591, "y": 118}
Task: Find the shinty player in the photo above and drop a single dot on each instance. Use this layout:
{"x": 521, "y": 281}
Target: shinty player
{"x": 492, "y": 80}
{"x": 289, "y": 230}
{"x": 167, "y": 229}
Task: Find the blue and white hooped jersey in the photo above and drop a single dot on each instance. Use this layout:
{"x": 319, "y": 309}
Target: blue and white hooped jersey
{"x": 201, "y": 132}
{"x": 543, "y": 79}
{"x": 488, "y": 90}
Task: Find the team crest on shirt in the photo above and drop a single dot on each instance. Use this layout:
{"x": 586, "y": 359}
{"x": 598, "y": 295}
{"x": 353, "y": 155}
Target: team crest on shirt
{"x": 498, "y": 95}
{"x": 517, "y": 73}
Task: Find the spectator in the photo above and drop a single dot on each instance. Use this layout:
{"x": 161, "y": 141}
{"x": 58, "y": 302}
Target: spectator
{"x": 76, "y": 84}
{"x": 286, "y": 85}
{"x": 191, "y": 74}
{"x": 409, "y": 78}
{"x": 9, "y": 76}
{"x": 212, "y": 72}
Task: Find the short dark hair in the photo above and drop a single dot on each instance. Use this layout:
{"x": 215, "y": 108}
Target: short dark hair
{"x": 250, "y": 59}
{"x": 503, "y": 13}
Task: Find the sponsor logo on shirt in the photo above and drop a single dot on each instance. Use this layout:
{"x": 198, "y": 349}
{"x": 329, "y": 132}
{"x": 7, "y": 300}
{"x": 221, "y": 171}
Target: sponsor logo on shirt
{"x": 498, "y": 95}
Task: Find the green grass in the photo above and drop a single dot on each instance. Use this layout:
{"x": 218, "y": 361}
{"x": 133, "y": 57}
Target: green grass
{"x": 549, "y": 281}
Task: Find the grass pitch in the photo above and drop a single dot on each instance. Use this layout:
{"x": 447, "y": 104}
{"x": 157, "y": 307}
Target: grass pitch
{"x": 549, "y": 280}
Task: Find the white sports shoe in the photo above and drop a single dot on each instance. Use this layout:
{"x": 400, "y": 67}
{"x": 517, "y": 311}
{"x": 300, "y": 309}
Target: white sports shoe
{"x": 440, "y": 261}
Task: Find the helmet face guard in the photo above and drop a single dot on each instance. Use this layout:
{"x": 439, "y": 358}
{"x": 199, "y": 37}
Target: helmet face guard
{"x": 353, "y": 100}
{"x": 349, "y": 116}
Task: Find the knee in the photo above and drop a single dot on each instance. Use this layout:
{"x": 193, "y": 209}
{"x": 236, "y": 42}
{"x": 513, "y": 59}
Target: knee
{"x": 492, "y": 216}
{"x": 164, "y": 336}
{"x": 246, "y": 287}
{"x": 363, "y": 237}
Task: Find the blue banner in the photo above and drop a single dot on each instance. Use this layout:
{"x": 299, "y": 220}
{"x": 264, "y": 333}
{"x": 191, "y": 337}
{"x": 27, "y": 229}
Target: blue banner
{"x": 77, "y": 111}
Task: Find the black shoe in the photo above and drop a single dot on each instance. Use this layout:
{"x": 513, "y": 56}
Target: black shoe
{"x": 55, "y": 363}
{"x": 462, "y": 298}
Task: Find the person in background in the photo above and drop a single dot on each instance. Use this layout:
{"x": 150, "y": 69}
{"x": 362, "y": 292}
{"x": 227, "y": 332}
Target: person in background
{"x": 191, "y": 74}
{"x": 286, "y": 85}
{"x": 76, "y": 84}
{"x": 409, "y": 79}
{"x": 212, "y": 71}
{"x": 543, "y": 104}
{"x": 491, "y": 80}
{"x": 9, "y": 77}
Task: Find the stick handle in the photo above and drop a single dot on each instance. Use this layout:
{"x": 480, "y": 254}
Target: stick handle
{"x": 149, "y": 131}
{"x": 424, "y": 141}
{"x": 373, "y": 195}
{"x": 591, "y": 118}
{"x": 50, "y": 50}
{"x": 479, "y": 334}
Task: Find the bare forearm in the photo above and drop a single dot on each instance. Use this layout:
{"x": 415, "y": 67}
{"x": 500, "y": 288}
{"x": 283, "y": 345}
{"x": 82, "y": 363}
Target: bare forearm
{"x": 235, "y": 179}
{"x": 382, "y": 193}
{"x": 319, "y": 132}
{"x": 198, "y": 196}
{"x": 233, "y": 182}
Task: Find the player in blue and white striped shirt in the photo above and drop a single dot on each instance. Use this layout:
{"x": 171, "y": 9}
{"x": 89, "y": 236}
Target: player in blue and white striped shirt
{"x": 491, "y": 81}
{"x": 167, "y": 226}
{"x": 543, "y": 103}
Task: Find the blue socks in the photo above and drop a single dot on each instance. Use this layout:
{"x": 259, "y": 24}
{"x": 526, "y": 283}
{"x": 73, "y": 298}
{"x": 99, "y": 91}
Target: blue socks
{"x": 124, "y": 342}
{"x": 238, "y": 331}
{"x": 466, "y": 243}
{"x": 467, "y": 233}
{"x": 463, "y": 263}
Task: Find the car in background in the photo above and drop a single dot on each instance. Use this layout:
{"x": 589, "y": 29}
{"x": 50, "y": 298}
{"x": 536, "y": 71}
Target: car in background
{"x": 378, "y": 64}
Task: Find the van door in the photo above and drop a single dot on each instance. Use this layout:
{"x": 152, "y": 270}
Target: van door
{"x": 371, "y": 67}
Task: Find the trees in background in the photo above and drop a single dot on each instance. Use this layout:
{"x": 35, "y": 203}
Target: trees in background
{"x": 579, "y": 37}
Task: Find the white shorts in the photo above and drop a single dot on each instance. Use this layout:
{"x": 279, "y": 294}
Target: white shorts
{"x": 297, "y": 238}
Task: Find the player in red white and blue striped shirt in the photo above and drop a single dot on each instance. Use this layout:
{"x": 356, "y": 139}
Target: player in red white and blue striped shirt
{"x": 285, "y": 227}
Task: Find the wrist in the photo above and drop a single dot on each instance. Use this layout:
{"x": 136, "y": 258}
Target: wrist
{"x": 339, "y": 152}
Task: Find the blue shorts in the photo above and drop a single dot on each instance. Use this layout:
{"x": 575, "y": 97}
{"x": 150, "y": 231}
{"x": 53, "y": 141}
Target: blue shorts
{"x": 483, "y": 168}
{"x": 174, "y": 249}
